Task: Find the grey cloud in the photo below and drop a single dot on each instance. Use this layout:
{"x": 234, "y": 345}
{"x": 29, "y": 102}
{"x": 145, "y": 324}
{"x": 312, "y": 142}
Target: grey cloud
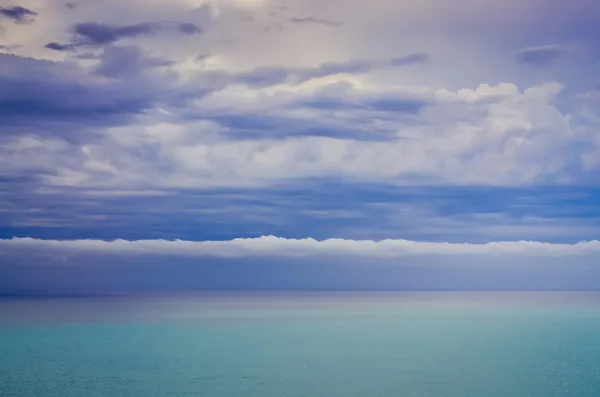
{"x": 251, "y": 126}
{"x": 410, "y": 59}
{"x": 275, "y": 75}
{"x": 70, "y": 101}
{"x": 540, "y": 57}
{"x": 354, "y": 67}
{"x": 355, "y": 111}
{"x": 98, "y": 34}
{"x": 18, "y": 13}
{"x": 33, "y": 91}
{"x": 342, "y": 96}
{"x": 317, "y": 21}
{"x": 371, "y": 211}
{"x": 87, "y": 55}
{"x": 9, "y": 47}
{"x": 189, "y": 28}
{"x": 265, "y": 76}
{"x": 397, "y": 105}
{"x": 126, "y": 62}
{"x": 59, "y": 47}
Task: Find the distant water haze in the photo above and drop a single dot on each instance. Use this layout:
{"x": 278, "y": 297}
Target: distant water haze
{"x": 287, "y": 305}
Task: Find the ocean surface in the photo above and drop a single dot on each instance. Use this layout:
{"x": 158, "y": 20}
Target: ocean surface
{"x": 312, "y": 345}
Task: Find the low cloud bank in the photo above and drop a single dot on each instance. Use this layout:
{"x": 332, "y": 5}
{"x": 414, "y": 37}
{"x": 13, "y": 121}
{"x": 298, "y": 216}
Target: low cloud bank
{"x": 47, "y": 267}
{"x": 283, "y": 247}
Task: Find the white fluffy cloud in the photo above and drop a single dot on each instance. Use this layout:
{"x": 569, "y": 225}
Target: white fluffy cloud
{"x": 493, "y": 135}
{"x": 271, "y": 246}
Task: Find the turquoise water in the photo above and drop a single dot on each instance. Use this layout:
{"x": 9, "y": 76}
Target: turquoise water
{"x": 287, "y": 346}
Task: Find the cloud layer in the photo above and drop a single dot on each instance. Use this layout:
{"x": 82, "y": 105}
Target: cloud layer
{"x": 18, "y": 14}
{"x": 188, "y": 110}
{"x": 31, "y": 266}
{"x": 210, "y": 120}
{"x": 282, "y": 247}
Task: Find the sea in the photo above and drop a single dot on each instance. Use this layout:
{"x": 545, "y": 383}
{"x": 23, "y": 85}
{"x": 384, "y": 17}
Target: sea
{"x": 313, "y": 344}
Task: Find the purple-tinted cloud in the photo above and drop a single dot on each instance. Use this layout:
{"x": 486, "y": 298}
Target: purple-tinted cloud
{"x": 189, "y": 28}
{"x": 55, "y": 267}
{"x": 317, "y": 21}
{"x": 266, "y": 76}
{"x": 59, "y": 47}
{"x": 18, "y": 14}
{"x": 126, "y": 62}
{"x": 540, "y": 57}
{"x": 31, "y": 89}
{"x": 98, "y": 34}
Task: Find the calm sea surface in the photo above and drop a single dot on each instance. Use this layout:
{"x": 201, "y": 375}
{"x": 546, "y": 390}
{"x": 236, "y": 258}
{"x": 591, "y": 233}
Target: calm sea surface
{"x": 278, "y": 345}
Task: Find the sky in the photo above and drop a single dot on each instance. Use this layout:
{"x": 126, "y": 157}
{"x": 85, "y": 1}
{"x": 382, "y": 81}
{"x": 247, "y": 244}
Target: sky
{"x": 175, "y": 145}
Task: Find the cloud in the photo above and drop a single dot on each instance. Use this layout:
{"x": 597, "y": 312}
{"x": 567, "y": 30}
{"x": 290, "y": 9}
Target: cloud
{"x": 540, "y": 57}
{"x": 18, "y": 14}
{"x": 488, "y": 136}
{"x": 367, "y": 211}
{"x": 59, "y": 47}
{"x": 267, "y": 76}
{"x": 317, "y": 21}
{"x": 403, "y": 95}
{"x": 189, "y": 28}
{"x": 410, "y": 59}
{"x": 126, "y": 62}
{"x": 98, "y": 34}
{"x": 30, "y": 266}
{"x": 282, "y": 247}
{"x": 30, "y": 88}
{"x": 9, "y": 48}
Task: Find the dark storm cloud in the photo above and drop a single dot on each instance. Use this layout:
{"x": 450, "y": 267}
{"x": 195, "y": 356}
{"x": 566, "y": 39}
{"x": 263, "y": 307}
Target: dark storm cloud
{"x": 18, "y": 13}
{"x": 540, "y": 57}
